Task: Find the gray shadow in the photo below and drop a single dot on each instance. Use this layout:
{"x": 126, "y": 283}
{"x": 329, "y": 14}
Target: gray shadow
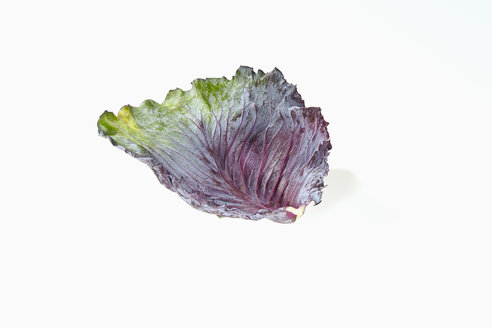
{"x": 340, "y": 185}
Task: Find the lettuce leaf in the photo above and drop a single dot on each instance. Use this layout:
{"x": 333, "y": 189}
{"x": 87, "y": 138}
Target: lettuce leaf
{"x": 245, "y": 147}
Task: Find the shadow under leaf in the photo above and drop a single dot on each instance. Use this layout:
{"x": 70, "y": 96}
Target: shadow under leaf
{"x": 340, "y": 185}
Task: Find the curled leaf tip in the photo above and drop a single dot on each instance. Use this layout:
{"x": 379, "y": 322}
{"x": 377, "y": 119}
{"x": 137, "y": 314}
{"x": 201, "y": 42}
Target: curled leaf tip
{"x": 245, "y": 147}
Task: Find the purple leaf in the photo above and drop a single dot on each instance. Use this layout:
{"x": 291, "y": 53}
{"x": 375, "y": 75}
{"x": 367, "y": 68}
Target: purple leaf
{"x": 245, "y": 147}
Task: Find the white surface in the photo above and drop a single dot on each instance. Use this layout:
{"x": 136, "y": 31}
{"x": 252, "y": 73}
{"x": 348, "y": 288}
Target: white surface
{"x": 88, "y": 237}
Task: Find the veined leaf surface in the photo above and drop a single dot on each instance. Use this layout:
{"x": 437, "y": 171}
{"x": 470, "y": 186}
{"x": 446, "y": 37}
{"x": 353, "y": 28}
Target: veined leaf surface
{"x": 245, "y": 147}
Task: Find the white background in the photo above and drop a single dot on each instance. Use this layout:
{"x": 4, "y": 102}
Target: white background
{"x": 89, "y": 238}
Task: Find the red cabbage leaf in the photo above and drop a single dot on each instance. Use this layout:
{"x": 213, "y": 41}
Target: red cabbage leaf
{"x": 245, "y": 147}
